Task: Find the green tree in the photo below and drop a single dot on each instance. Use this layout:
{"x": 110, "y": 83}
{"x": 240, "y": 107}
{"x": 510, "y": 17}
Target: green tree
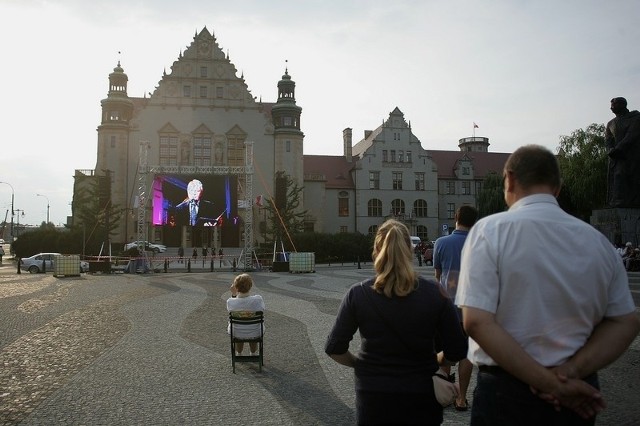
{"x": 583, "y": 164}
{"x": 286, "y": 220}
{"x": 491, "y": 196}
{"x": 96, "y": 214}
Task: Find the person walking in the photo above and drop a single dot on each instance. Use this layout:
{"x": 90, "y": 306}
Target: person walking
{"x": 446, "y": 264}
{"x": 398, "y": 315}
{"x": 542, "y": 317}
{"x": 181, "y": 254}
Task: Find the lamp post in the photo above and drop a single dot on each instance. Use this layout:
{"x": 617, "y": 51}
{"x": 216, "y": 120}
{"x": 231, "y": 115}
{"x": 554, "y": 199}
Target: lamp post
{"x": 40, "y": 195}
{"x": 19, "y": 211}
{"x": 12, "y": 211}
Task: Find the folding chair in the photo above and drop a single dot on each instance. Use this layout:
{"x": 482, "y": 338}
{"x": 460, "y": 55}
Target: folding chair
{"x": 246, "y": 318}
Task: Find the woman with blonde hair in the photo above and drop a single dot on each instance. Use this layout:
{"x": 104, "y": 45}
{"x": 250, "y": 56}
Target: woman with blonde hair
{"x": 399, "y": 315}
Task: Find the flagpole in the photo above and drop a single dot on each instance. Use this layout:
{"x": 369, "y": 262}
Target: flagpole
{"x": 474, "y": 131}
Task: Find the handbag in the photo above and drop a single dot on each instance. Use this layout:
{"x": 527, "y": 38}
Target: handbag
{"x": 445, "y": 387}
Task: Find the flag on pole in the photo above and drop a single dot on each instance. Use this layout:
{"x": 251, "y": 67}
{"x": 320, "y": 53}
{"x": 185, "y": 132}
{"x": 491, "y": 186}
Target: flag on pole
{"x": 475, "y": 126}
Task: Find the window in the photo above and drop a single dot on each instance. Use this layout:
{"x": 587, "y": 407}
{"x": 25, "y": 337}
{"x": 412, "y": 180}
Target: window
{"x": 287, "y": 145}
{"x": 168, "y": 150}
{"x": 113, "y": 141}
{"x": 374, "y": 208}
{"x": 114, "y": 115}
{"x": 393, "y": 155}
{"x": 419, "y": 181}
{"x": 202, "y": 150}
{"x": 420, "y": 208}
{"x": 343, "y": 206}
{"x": 421, "y": 231}
{"x": 219, "y": 92}
{"x": 384, "y": 156}
{"x": 451, "y": 211}
{"x": 400, "y": 156}
{"x": 466, "y": 187}
{"x": 203, "y": 71}
{"x": 286, "y": 121}
{"x": 466, "y": 171}
{"x": 203, "y": 91}
{"x": 344, "y": 229}
{"x": 478, "y": 187}
{"x": 451, "y": 187}
{"x": 397, "y": 180}
{"x": 408, "y": 156}
{"x": 372, "y": 230}
{"x": 235, "y": 150}
{"x": 397, "y": 207}
{"x": 186, "y": 91}
{"x": 374, "y": 180}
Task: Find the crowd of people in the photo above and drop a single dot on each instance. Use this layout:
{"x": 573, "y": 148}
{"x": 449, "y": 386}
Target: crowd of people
{"x": 630, "y": 256}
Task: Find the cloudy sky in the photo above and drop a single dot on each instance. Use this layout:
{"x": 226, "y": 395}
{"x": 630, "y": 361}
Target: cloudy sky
{"x": 524, "y": 71}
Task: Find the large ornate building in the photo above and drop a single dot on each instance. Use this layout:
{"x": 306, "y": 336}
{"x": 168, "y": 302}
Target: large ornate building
{"x": 202, "y": 122}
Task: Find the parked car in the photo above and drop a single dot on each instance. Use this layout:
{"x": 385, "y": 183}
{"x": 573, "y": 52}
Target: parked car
{"x": 33, "y": 264}
{"x": 156, "y": 248}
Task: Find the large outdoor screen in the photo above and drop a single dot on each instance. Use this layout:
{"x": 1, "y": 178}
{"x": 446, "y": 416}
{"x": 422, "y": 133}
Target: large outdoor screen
{"x": 197, "y": 204}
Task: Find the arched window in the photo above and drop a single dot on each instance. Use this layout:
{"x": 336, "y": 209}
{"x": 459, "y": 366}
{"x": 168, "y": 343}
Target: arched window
{"x": 421, "y": 230}
{"x": 374, "y": 208}
{"x": 372, "y": 230}
{"x": 420, "y": 208}
{"x": 397, "y": 207}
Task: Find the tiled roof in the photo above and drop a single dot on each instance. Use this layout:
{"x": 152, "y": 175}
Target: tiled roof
{"x": 483, "y": 162}
{"x": 335, "y": 169}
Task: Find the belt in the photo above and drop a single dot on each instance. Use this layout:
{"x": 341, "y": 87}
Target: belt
{"x": 491, "y": 369}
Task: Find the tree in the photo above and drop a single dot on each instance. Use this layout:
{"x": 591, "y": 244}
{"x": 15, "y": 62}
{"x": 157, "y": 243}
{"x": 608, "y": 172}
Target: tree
{"x": 491, "y": 196}
{"x": 583, "y": 165}
{"x": 286, "y": 219}
{"x": 96, "y": 214}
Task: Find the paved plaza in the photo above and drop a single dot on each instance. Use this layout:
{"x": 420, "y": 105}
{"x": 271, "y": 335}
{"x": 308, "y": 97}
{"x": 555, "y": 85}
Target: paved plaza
{"x": 126, "y": 349}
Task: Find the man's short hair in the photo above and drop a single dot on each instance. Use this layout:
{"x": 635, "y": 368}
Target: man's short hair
{"x": 534, "y": 165}
{"x": 466, "y": 216}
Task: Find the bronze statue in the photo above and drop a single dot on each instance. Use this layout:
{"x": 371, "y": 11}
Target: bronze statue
{"x": 622, "y": 138}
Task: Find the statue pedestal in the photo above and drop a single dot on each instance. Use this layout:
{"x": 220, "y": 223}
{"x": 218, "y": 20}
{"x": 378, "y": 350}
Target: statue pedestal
{"x": 619, "y": 225}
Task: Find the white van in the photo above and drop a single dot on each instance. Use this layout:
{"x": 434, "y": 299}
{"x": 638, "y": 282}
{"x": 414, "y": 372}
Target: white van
{"x": 415, "y": 241}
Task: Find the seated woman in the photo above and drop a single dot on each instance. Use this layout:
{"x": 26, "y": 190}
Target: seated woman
{"x": 240, "y": 300}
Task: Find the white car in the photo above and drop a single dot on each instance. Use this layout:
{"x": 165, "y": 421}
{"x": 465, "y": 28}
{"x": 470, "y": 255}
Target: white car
{"x": 156, "y": 248}
{"x": 33, "y": 264}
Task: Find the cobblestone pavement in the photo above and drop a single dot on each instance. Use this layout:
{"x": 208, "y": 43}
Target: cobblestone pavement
{"x": 153, "y": 349}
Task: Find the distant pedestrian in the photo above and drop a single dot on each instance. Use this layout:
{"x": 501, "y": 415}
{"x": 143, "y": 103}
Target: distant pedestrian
{"x": 1, "y": 254}
{"x": 181, "y": 254}
{"x": 205, "y": 252}
{"x": 220, "y": 253}
{"x": 195, "y": 253}
{"x": 446, "y": 264}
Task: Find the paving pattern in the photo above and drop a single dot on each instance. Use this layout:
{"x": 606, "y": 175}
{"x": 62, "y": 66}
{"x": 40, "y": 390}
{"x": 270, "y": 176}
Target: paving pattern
{"x": 152, "y": 349}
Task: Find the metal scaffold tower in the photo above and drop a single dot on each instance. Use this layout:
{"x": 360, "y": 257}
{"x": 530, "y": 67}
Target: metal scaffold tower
{"x": 142, "y": 193}
{"x": 248, "y": 219}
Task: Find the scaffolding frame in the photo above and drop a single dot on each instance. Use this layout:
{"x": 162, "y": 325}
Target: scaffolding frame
{"x": 247, "y": 171}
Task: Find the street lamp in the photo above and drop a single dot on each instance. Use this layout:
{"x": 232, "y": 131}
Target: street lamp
{"x": 12, "y": 213}
{"x": 40, "y": 195}
{"x": 19, "y": 211}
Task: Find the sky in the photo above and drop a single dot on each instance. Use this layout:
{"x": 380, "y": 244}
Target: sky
{"x": 523, "y": 71}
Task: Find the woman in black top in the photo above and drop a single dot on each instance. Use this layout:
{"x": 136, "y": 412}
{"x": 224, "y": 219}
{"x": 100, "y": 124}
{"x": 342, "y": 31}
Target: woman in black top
{"x": 398, "y": 315}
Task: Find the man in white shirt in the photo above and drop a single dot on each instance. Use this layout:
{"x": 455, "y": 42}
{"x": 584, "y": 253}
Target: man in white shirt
{"x": 543, "y": 317}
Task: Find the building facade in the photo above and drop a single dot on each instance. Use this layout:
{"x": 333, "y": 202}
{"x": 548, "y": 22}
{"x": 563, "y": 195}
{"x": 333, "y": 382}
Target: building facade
{"x": 198, "y": 122}
{"x": 389, "y": 174}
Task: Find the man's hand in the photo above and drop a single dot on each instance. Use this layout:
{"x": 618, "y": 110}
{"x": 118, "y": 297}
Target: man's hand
{"x": 576, "y": 395}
